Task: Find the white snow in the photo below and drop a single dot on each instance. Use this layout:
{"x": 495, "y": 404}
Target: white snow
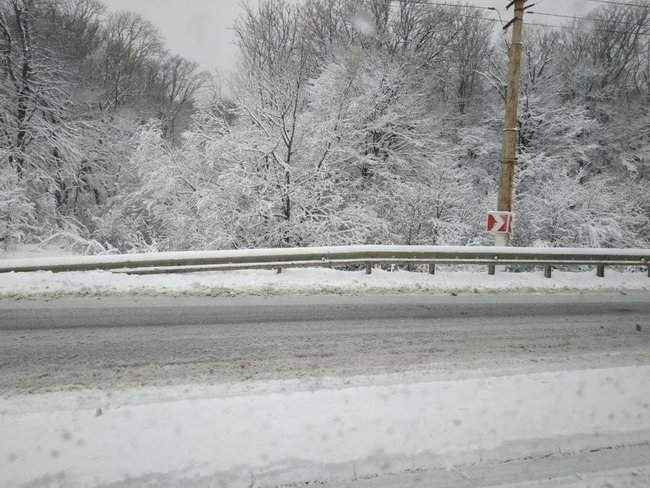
{"x": 33, "y": 252}
{"x": 292, "y": 435}
{"x": 308, "y": 281}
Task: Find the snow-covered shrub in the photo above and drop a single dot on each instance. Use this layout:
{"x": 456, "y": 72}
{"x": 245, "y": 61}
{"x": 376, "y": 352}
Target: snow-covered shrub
{"x": 17, "y": 210}
{"x": 150, "y": 210}
{"x": 562, "y": 207}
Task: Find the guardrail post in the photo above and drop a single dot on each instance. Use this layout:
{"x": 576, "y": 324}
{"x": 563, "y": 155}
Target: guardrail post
{"x": 492, "y": 268}
{"x": 548, "y": 271}
{"x": 432, "y": 269}
{"x": 600, "y": 271}
{"x": 368, "y": 268}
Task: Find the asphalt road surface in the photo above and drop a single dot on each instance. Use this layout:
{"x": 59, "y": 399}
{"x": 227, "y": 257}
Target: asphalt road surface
{"x": 115, "y": 343}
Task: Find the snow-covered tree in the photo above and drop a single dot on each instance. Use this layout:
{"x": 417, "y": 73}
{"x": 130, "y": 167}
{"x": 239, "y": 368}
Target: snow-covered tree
{"x": 345, "y": 121}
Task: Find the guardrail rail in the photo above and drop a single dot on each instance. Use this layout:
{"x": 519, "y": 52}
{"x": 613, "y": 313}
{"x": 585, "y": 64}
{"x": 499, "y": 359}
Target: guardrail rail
{"x": 368, "y": 255}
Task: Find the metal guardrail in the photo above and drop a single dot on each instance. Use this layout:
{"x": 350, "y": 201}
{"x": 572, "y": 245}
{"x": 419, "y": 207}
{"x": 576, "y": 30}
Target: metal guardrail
{"x": 194, "y": 261}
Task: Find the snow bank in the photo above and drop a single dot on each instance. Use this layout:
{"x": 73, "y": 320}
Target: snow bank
{"x": 307, "y": 281}
{"x": 34, "y": 252}
{"x": 250, "y": 439}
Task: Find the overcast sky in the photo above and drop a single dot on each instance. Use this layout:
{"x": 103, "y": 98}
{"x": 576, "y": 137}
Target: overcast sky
{"x": 202, "y": 29}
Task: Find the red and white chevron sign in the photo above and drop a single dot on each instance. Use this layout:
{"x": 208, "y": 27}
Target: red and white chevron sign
{"x": 499, "y": 222}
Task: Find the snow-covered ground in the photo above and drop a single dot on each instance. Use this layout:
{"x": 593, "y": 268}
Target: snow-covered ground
{"x": 308, "y": 281}
{"x": 260, "y": 435}
{"x": 34, "y": 251}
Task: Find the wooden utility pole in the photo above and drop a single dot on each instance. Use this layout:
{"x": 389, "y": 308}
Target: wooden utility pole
{"x": 647, "y": 72}
{"x": 510, "y": 123}
{"x": 646, "y": 153}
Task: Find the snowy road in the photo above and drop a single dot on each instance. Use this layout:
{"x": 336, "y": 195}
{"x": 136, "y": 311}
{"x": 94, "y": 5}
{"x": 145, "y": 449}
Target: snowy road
{"x": 527, "y": 391}
{"x": 160, "y": 341}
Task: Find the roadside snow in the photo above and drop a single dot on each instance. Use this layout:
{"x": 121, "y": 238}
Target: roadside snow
{"x": 307, "y": 281}
{"x": 32, "y": 252}
{"x": 258, "y": 439}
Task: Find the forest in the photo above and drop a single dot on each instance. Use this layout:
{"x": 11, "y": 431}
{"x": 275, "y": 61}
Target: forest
{"x": 343, "y": 122}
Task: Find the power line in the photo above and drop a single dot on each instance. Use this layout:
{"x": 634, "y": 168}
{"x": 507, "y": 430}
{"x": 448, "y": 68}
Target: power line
{"x": 622, "y": 4}
{"x": 588, "y": 19}
{"x": 537, "y": 24}
{"x": 575, "y": 17}
{"x": 595, "y": 29}
{"x": 458, "y": 5}
{"x": 445, "y": 4}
